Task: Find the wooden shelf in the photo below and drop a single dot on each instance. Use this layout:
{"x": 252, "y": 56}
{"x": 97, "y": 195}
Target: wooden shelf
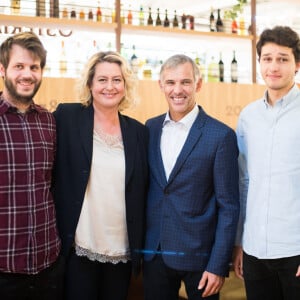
{"x": 43, "y": 22}
{"x": 160, "y": 30}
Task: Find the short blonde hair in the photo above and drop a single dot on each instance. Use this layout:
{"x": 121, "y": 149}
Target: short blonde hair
{"x": 85, "y": 81}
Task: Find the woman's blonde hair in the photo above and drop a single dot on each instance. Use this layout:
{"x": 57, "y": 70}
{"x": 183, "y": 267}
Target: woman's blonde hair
{"x": 84, "y": 83}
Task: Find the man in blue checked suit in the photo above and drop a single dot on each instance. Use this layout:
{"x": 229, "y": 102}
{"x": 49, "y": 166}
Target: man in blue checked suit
{"x": 193, "y": 205}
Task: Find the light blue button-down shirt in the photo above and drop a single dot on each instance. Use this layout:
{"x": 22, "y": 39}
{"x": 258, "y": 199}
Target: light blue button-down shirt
{"x": 269, "y": 161}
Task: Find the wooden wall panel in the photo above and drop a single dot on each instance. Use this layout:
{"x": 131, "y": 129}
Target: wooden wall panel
{"x": 223, "y": 101}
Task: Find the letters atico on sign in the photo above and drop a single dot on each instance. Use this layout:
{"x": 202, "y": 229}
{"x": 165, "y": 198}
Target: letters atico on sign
{"x": 10, "y": 30}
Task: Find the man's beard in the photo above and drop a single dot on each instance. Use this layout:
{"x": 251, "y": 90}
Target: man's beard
{"x": 24, "y": 99}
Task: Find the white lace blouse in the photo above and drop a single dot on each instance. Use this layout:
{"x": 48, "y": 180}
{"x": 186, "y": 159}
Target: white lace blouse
{"x": 101, "y": 232}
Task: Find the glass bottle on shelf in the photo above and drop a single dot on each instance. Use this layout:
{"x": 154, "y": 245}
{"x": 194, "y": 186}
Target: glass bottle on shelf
{"x": 122, "y": 15}
{"x": 158, "y": 20}
{"x": 221, "y": 69}
{"x": 183, "y": 21}
{"x": 141, "y": 17}
{"x": 54, "y": 8}
{"x": 234, "y": 26}
{"x": 73, "y": 13}
{"x": 192, "y": 22}
{"x": 166, "y": 21}
{"x": 78, "y": 60}
{"x": 15, "y": 6}
{"x": 129, "y": 16}
{"x": 64, "y": 13}
{"x": 113, "y": 14}
{"x": 242, "y": 26}
{"x": 219, "y": 23}
{"x": 175, "y": 20}
{"x": 40, "y": 8}
{"x": 213, "y": 71}
{"x": 134, "y": 62}
{"x": 91, "y": 15}
{"x": 197, "y": 61}
{"x": 81, "y": 14}
{"x": 234, "y": 69}
{"x": 150, "y": 20}
{"x": 201, "y": 66}
{"x": 99, "y": 14}
{"x": 92, "y": 49}
{"x": 63, "y": 60}
{"x": 211, "y": 20}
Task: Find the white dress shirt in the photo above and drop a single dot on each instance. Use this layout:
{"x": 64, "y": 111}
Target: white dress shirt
{"x": 173, "y": 137}
{"x": 269, "y": 144}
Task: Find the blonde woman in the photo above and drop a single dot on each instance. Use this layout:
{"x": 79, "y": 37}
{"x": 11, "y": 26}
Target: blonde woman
{"x": 100, "y": 182}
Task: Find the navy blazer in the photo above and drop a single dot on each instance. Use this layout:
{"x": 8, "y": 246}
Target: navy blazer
{"x": 193, "y": 215}
{"x": 72, "y": 169}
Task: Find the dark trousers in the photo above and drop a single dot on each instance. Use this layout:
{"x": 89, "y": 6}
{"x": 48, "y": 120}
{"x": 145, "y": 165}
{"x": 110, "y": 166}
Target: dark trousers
{"x": 271, "y": 279}
{"x": 46, "y": 285}
{"x": 92, "y": 280}
{"x": 163, "y": 283}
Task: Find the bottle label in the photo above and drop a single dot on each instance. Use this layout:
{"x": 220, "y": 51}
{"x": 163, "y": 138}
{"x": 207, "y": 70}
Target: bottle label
{"x": 234, "y": 73}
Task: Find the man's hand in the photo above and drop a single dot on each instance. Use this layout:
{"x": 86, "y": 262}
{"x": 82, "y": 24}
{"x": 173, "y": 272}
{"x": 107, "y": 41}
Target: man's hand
{"x": 212, "y": 283}
{"x": 238, "y": 261}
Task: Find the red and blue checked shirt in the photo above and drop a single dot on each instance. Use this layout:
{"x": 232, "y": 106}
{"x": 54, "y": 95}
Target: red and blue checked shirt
{"x": 29, "y": 239}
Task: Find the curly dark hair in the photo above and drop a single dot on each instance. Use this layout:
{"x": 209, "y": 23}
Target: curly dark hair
{"x": 280, "y": 35}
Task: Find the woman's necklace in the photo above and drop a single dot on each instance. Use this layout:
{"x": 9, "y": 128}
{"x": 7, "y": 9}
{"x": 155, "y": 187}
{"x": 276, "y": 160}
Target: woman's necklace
{"x": 109, "y": 139}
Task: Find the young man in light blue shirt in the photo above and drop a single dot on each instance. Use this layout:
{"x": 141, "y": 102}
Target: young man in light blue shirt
{"x": 268, "y": 251}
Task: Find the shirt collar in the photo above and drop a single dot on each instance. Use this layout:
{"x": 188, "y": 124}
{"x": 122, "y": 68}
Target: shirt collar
{"x": 286, "y": 99}
{"x": 187, "y": 120}
{"x": 5, "y": 106}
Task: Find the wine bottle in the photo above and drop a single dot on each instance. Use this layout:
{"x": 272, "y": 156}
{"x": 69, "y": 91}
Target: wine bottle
{"x": 175, "y": 20}
{"x": 158, "y": 20}
{"x": 192, "y": 22}
{"x": 73, "y": 13}
{"x": 141, "y": 17}
{"x": 122, "y": 15}
{"x": 183, "y": 21}
{"x": 113, "y": 15}
{"x": 91, "y": 15}
{"x": 63, "y": 60}
{"x": 213, "y": 71}
{"x": 221, "y": 69}
{"x": 219, "y": 23}
{"x": 134, "y": 62}
{"x": 166, "y": 21}
{"x": 129, "y": 16}
{"x": 234, "y": 69}
{"x": 150, "y": 20}
{"x": 54, "y": 8}
{"x": 15, "y": 6}
{"x": 234, "y": 26}
{"x": 78, "y": 63}
{"x": 212, "y": 20}
{"x": 81, "y": 14}
{"x": 65, "y": 13}
{"x": 99, "y": 14}
{"x": 242, "y": 27}
{"x": 40, "y": 8}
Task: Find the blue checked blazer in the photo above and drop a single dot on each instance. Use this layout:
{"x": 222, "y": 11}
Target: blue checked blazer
{"x": 192, "y": 217}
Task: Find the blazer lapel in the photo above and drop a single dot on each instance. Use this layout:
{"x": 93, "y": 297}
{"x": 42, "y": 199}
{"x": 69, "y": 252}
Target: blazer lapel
{"x": 129, "y": 136}
{"x": 191, "y": 141}
{"x": 86, "y": 127}
{"x": 155, "y": 154}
